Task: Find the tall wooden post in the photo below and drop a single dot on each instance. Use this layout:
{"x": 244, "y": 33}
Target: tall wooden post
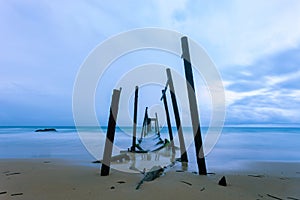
{"x": 156, "y": 125}
{"x": 193, "y": 106}
{"x": 135, "y": 118}
{"x": 168, "y": 120}
{"x": 110, "y": 134}
{"x": 183, "y": 152}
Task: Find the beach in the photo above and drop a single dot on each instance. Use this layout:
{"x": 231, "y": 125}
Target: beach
{"x": 56, "y": 165}
{"x": 149, "y": 100}
{"x": 58, "y": 179}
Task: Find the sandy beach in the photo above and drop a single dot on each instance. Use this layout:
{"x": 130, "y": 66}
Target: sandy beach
{"x": 58, "y": 179}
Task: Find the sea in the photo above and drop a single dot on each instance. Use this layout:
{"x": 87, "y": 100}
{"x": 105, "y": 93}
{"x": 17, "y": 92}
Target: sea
{"x": 233, "y": 146}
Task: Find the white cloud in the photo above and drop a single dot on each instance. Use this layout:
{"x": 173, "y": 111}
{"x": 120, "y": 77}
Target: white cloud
{"x": 270, "y": 83}
{"x": 241, "y": 32}
{"x": 53, "y": 38}
{"x": 273, "y": 80}
{"x": 232, "y": 96}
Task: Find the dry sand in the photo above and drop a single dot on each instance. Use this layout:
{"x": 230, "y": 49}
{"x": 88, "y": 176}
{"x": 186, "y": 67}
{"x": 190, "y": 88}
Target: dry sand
{"x": 55, "y": 179}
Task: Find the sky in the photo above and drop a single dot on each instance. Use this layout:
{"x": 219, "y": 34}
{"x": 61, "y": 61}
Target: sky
{"x": 254, "y": 45}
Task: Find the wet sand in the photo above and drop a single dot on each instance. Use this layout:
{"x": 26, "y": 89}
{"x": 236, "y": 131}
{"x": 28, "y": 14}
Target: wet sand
{"x": 58, "y": 179}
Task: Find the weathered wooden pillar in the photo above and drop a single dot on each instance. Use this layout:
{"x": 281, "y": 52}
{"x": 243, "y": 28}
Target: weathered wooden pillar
{"x": 156, "y": 125}
{"x": 135, "y": 118}
{"x": 183, "y": 152}
{"x": 110, "y": 134}
{"x": 168, "y": 120}
{"x": 193, "y": 106}
{"x": 145, "y": 126}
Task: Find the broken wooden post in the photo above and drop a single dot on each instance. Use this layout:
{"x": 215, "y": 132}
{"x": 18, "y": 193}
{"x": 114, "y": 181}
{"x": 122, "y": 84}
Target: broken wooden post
{"x": 183, "y": 152}
{"x": 193, "y": 106}
{"x": 145, "y": 127}
{"x": 168, "y": 120}
{"x": 110, "y": 134}
{"x": 135, "y": 118}
{"x": 148, "y": 123}
{"x": 156, "y": 125}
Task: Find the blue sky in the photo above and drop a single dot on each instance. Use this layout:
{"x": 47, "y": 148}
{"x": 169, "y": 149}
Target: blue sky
{"x": 254, "y": 44}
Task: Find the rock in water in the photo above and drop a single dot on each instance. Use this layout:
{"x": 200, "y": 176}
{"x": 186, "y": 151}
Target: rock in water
{"x": 46, "y": 130}
{"x": 222, "y": 182}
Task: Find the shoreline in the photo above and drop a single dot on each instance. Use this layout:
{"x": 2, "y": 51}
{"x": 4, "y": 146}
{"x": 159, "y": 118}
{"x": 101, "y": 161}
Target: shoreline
{"x": 60, "y": 179}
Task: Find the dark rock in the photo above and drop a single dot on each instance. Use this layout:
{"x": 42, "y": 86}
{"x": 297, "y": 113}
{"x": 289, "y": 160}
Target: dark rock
{"x": 121, "y": 182}
{"x": 222, "y": 181}
{"x": 46, "y": 130}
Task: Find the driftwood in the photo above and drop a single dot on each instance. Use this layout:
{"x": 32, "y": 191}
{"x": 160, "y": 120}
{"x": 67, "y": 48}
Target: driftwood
{"x": 155, "y": 172}
{"x": 185, "y": 182}
{"x": 13, "y": 173}
{"x": 274, "y": 197}
{"x": 16, "y": 194}
{"x": 256, "y": 176}
{"x": 293, "y": 198}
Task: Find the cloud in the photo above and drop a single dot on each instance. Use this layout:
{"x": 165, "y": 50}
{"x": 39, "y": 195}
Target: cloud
{"x": 255, "y": 44}
{"x": 274, "y": 99}
{"x": 274, "y": 80}
{"x": 238, "y": 33}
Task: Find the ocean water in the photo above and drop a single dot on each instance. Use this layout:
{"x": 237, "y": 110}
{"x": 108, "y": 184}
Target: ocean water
{"x": 235, "y": 144}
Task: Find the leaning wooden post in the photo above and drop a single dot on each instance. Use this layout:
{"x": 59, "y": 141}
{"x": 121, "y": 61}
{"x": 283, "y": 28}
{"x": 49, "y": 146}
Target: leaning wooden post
{"x": 168, "y": 120}
{"x": 135, "y": 118}
{"x": 110, "y": 134}
{"x": 183, "y": 152}
{"x": 193, "y": 106}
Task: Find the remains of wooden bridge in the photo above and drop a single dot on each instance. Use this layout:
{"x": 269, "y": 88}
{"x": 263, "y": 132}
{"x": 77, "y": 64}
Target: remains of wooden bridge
{"x": 148, "y": 122}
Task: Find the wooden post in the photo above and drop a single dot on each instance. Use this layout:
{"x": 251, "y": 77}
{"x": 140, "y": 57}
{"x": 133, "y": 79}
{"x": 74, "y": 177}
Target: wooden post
{"x": 168, "y": 120}
{"x": 135, "y": 118}
{"x": 183, "y": 152}
{"x": 144, "y": 128}
{"x": 110, "y": 134}
{"x": 193, "y": 106}
{"x": 156, "y": 125}
{"x": 148, "y": 122}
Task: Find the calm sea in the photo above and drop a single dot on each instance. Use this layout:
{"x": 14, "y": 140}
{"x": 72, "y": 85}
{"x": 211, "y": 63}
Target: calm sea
{"x": 235, "y": 144}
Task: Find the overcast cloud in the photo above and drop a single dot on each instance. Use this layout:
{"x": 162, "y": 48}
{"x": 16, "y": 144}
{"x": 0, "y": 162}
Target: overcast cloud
{"x": 254, "y": 44}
